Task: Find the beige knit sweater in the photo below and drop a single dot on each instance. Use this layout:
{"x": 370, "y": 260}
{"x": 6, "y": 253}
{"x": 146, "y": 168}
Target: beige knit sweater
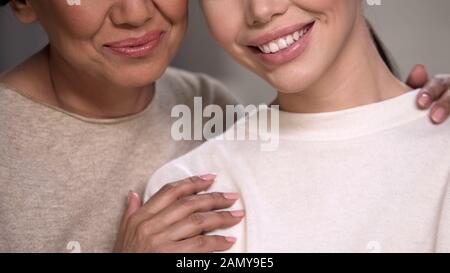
{"x": 64, "y": 178}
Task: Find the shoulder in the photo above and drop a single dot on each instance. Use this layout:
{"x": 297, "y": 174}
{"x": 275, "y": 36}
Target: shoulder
{"x": 9, "y": 98}
{"x": 188, "y": 85}
{"x": 214, "y": 156}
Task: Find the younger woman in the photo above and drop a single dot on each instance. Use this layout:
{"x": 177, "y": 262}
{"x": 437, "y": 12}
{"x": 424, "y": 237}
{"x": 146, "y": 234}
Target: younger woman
{"x": 358, "y": 167}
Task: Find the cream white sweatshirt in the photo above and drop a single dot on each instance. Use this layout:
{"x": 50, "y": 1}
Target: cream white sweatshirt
{"x": 369, "y": 179}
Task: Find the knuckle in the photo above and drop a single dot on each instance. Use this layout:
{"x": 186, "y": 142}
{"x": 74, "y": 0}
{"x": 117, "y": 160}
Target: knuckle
{"x": 193, "y": 180}
{"x": 444, "y": 103}
{"x": 201, "y": 241}
{"x": 169, "y": 188}
{"x": 227, "y": 215}
{"x": 197, "y": 219}
{"x": 215, "y": 197}
{"x": 437, "y": 81}
{"x": 133, "y": 220}
{"x": 143, "y": 230}
{"x": 189, "y": 199}
{"x": 186, "y": 202}
{"x": 433, "y": 86}
{"x": 155, "y": 244}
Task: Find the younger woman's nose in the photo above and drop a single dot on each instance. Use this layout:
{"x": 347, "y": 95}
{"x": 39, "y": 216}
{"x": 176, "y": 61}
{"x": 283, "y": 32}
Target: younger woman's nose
{"x": 263, "y": 11}
{"x": 134, "y": 13}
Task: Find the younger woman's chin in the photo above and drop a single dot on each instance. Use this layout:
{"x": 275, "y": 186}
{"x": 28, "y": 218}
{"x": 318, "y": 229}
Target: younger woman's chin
{"x": 290, "y": 84}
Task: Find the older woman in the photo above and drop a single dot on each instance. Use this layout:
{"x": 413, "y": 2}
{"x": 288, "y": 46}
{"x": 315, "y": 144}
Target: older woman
{"x": 85, "y": 113}
{"x": 87, "y": 120}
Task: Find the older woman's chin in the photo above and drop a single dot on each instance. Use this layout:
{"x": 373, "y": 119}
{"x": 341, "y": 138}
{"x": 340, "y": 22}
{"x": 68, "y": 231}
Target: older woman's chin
{"x": 127, "y": 77}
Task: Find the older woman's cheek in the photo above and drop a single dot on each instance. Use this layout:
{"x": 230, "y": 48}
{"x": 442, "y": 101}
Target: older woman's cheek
{"x": 78, "y": 21}
{"x": 176, "y": 13}
{"x": 175, "y": 10}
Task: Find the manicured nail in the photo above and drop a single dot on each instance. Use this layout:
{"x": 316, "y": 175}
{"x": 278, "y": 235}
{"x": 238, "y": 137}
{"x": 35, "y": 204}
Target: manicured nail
{"x": 230, "y": 239}
{"x": 130, "y": 195}
{"x": 208, "y": 177}
{"x": 439, "y": 115}
{"x": 238, "y": 213}
{"x": 231, "y": 196}
{"x": 425, "y": 100}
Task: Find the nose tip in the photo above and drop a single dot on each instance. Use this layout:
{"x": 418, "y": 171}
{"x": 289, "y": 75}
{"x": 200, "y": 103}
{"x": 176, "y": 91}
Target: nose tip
{"x": 260, "y": 15}
{"x": 263, "y": 11}
{"x": 134, "y": 13}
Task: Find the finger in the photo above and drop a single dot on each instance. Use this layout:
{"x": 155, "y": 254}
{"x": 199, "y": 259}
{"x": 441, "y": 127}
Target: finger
{"x": 203, "y": 244}
{"x": 133, "y": 205}
{"x": 418, "y": 77}
{"x": 431, "y": 92}
{"x": 186, "y": 206}
{"x": 174, "y": 191}
{"x": 445, "y": 78}
{"x": 199, "y": 223}
{"x": 441, "y": 110}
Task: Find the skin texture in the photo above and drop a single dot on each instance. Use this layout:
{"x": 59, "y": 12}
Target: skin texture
{"x": 109, "y": 86}
{"x": 341, "y": 54}
{"x": 175, "y": 219}
{"x": 123, "y": 87}
{"x": 77, "y": 37}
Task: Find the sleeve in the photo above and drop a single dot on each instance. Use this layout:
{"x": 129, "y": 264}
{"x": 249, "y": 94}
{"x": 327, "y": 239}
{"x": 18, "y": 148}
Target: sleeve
{"x": 443, "y": 235}
{"x": 200, "y": 162}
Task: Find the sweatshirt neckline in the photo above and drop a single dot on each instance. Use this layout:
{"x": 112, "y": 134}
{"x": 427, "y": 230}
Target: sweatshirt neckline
{"x": 353, "y": 122}
{"x": 100, "y": 121}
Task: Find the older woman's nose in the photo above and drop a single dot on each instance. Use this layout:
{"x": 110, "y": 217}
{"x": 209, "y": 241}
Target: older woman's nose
{"x": 263, "y": 11}
{"x": 132, "y": 12}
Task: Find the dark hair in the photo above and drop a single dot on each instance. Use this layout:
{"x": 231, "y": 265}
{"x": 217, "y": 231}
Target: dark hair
{"x": 3, "y": 2}
{"x": 382, "y": 50}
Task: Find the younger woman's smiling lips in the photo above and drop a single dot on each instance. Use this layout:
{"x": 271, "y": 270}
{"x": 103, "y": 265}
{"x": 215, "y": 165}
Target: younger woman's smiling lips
{"x": 284, "y": 45}
{"x": 137, "y": 47}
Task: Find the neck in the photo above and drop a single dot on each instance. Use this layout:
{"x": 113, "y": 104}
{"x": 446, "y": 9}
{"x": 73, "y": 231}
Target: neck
{"x": 91, "y": 96}
{"x": 358, "y": 77}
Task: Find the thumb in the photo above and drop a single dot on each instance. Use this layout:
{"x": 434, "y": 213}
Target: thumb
{"x": 418, "y": 77}
{"x": 134, "y": 203}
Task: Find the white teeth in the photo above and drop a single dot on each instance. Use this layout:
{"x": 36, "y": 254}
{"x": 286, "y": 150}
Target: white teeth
{"x": 274, "y": 47}
{"x": 265, "y": 49}
{"x": 290, "y": 40}
{"x": 284, "y": 42}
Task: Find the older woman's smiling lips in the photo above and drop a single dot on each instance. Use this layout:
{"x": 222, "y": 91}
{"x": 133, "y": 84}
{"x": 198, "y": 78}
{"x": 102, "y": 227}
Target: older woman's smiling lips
{"x": 136, "y": 47}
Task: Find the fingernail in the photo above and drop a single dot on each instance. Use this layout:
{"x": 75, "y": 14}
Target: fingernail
{"x": 130, "y": 195}
{"x": 231, "y": 196}
{"x": 208, "y": 177}
{"x": 231, "y": 239}
{"x": 439, "y": 115}
{"x": 238, "y": 213}
{"x": 425, "y": 100}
